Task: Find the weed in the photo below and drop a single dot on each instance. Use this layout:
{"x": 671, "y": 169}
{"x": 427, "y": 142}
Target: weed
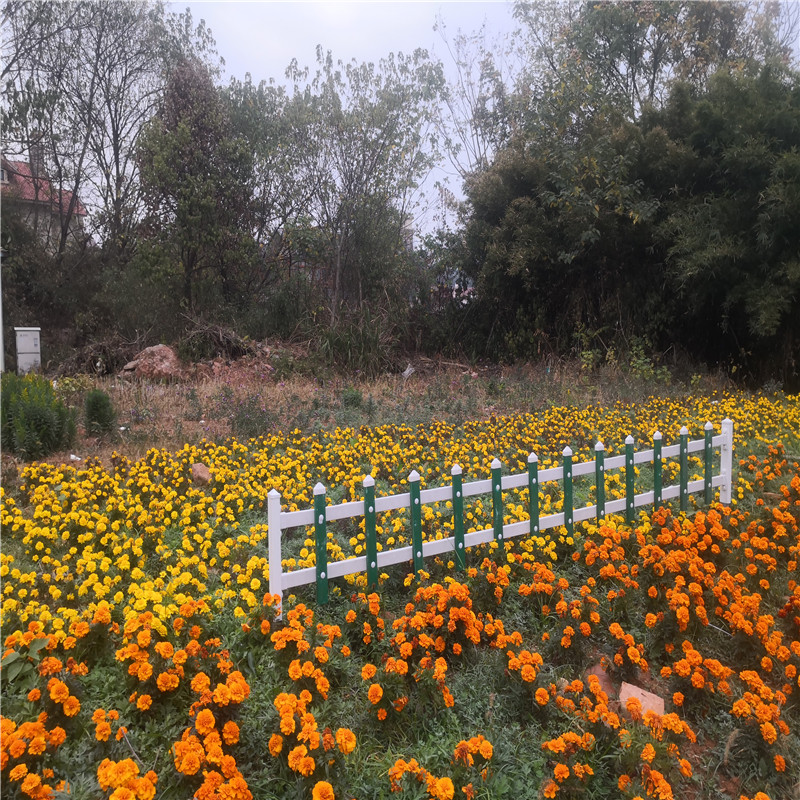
{"x": 100, "y": 416}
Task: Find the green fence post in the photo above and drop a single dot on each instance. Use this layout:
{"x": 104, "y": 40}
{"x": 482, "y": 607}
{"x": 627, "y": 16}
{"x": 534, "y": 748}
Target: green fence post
{"x": 630, "y": 478}
{"x": 657, "y": 470}
{"x": 568, "y": 501}
{"x": 416, "y": 521}
{"x": 684, "y": 459}
{"x": 458, "y": 518}
{"x": 708, "y": 459}
{"x": 533, "y": 492}
{"x": 369, "y": 531}
{"x": 600, "y": 480}
{"x": 321, "y": 540}
{"x": 497, "y": 501}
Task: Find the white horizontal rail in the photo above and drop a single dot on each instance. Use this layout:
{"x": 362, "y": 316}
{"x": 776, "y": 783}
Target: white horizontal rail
{"x": 280, "y": 521}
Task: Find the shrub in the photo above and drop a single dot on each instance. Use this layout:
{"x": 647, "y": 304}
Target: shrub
{"x": 100, "y": 414}
{"x": 34, "y": 421}
{"x": 250, "y": 418}
{"x": 352, "y": 397}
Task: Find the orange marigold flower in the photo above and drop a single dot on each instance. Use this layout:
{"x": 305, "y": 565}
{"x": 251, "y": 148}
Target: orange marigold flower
{"x": 561, "y": 772}
{"x": 322, "y": 791}
{"x": 443, "y": 789}
{"x": 551, "y": 790}
{"x": 345, "y": 740}
{"x": 368, "y": 672}
{"x": 648, "y": 753}
{"x": 58, "y": 690}
{"x": 166, "y": 681}
{"x": 677, "y": 698}
{"x": 230, "y": 732}
{"x": 780, "y": 763}
{"x": 144, "y": 702}
{"x": 542, "y": 696}
{"x": 275, "y": 744}
{"x": 102, "y": 731}
{"x": 34, "y": 695}
{"x": 205, "y": 722}
{"x": 375, "y": 693}
{"x": 71, "y": 706}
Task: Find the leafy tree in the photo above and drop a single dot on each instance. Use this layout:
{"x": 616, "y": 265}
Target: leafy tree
{"x": 728, "y": 188}
{"x": 81, "y": 79}
{"x": 368, "y": 146}
{"x": 195, "y": 179}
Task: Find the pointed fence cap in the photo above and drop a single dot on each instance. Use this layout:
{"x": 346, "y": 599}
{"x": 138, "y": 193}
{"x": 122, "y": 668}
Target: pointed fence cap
{"x": 708, "y": 426}
{"x": 369, "y": 481}
{"x": 413, "y": 475}
{"x": 684, "y": 430}
{"x": 533, "y": 458}
{"x": 657, "y": 435}
{"x": 599, "y": 446}
{"x": 274, "y": 493}
{"x": 567, "y": 452}
{"x": 456, "y": 469}
{"x": 496, "y": 463}
{"x": 319, "y": 489}
{"x": 629, "y": 439}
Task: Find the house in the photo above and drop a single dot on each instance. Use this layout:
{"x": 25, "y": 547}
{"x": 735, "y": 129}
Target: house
{"x": 41, "y": 205}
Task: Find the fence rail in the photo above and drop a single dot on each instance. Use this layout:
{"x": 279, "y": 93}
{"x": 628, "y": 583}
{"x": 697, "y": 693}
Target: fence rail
{"x": 368, "y": 508}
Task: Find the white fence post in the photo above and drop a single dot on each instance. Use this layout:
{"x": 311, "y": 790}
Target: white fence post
{"x": 274, "y": 540}
{"x": 726, "y": 462}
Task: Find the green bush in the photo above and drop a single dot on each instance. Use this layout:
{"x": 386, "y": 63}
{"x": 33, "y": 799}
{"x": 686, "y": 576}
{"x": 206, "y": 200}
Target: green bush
{"x": 100, "y": 415}
{"x": 33, "y": 421}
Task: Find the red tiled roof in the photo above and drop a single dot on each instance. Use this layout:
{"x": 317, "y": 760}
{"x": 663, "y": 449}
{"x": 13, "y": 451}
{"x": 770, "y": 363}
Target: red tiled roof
{"x": 24, "y": 186}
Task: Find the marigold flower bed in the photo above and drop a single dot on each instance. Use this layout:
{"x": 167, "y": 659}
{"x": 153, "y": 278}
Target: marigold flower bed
{"x": 143, "y": 658}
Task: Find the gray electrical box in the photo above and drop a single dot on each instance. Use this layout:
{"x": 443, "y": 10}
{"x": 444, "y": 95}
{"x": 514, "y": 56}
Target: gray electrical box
{"x": 29, "y": 350}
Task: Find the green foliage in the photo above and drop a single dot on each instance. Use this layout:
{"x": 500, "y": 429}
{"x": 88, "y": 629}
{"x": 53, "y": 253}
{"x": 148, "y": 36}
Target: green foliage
{"x": 34, "y": 421}
{"x": 100, "y": 416}
{"x": 250, "y": 417}
{"x": 352, "y": 397}
{"x": 360, "y": 344}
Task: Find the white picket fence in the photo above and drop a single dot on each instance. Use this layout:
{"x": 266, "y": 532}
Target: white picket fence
{"x": 280, "y": 521}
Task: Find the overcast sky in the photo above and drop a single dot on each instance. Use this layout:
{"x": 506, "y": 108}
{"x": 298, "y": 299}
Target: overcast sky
{"x": 262, "y": 37}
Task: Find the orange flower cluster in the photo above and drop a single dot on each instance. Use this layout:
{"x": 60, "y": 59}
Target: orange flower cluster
{"x": 123, "y": 778}
{"x": 204, "y": 743}
{"x": 441, "y": 619}
{"x": 297, "y": 722}
{"x": 464, "y": 755}
{"x": 437, "y": 788}
{"x": 20, "y": 746}
{"x": 467, "y": 749}
{"x": 102, "y": 720}
{"x": 59, "y": 693}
